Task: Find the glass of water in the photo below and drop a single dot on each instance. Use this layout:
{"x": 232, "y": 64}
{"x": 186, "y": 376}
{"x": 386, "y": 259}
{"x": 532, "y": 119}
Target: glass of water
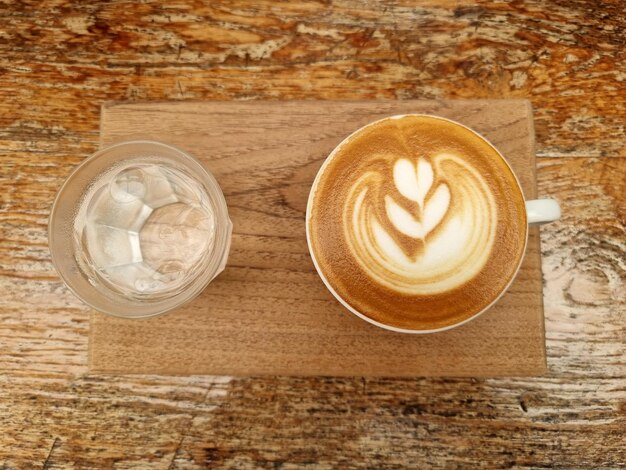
{"x": 139, "y": 229}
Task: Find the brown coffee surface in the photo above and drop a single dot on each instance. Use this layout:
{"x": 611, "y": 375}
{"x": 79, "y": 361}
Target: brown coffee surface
{"x": 417, "y": 222}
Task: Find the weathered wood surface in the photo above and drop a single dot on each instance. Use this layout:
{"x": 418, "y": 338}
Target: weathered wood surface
{"x": 59, "y": 61}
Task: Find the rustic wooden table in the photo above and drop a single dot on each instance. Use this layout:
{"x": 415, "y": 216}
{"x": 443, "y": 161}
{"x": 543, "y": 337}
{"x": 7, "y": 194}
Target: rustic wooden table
{"x": 60, "y": 60}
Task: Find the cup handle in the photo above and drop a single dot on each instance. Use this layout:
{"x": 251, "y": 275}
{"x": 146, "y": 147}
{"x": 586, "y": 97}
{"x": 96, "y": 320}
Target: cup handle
{"x": 542, "y": 211}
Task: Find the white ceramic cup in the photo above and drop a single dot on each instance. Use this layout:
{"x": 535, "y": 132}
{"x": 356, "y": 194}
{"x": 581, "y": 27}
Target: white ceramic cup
{"x": 538, "y": 212}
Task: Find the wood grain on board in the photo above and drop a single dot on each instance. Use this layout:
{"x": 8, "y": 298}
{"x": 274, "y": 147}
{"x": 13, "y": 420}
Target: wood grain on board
{"x": 269, "y": 312}
{"x": 61, "y": 60}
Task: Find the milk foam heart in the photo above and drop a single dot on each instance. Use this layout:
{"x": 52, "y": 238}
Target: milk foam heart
{"x": 416, "y": 222}
{"x": 451, "y": 232}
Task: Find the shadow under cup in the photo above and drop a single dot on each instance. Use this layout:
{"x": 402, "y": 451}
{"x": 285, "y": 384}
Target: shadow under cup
{"x": 138, "y": 229}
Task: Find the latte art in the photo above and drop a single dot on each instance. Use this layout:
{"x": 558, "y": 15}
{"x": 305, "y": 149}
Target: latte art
{"x": 437, "y": 246}
{"x": 414, "y": 184}
{"x": 416, "y": 222}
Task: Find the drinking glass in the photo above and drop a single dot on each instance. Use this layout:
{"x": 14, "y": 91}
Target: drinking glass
{"x": 139, "y": 229}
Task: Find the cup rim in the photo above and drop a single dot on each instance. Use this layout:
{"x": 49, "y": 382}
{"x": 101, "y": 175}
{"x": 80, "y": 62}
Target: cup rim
{"x": 344, "y": 302}
{"x": 192, "y": 293}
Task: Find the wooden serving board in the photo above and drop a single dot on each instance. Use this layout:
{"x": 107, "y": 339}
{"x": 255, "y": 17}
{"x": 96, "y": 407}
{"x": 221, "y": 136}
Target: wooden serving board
{"x": 269, "y": 312}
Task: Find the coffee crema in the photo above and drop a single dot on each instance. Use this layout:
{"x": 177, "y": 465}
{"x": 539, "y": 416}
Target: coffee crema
{"x": 416, "y": 222}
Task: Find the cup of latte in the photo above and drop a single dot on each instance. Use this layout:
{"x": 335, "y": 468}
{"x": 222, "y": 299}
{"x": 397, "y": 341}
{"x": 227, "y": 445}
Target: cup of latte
{"x": 417, "y": 224}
